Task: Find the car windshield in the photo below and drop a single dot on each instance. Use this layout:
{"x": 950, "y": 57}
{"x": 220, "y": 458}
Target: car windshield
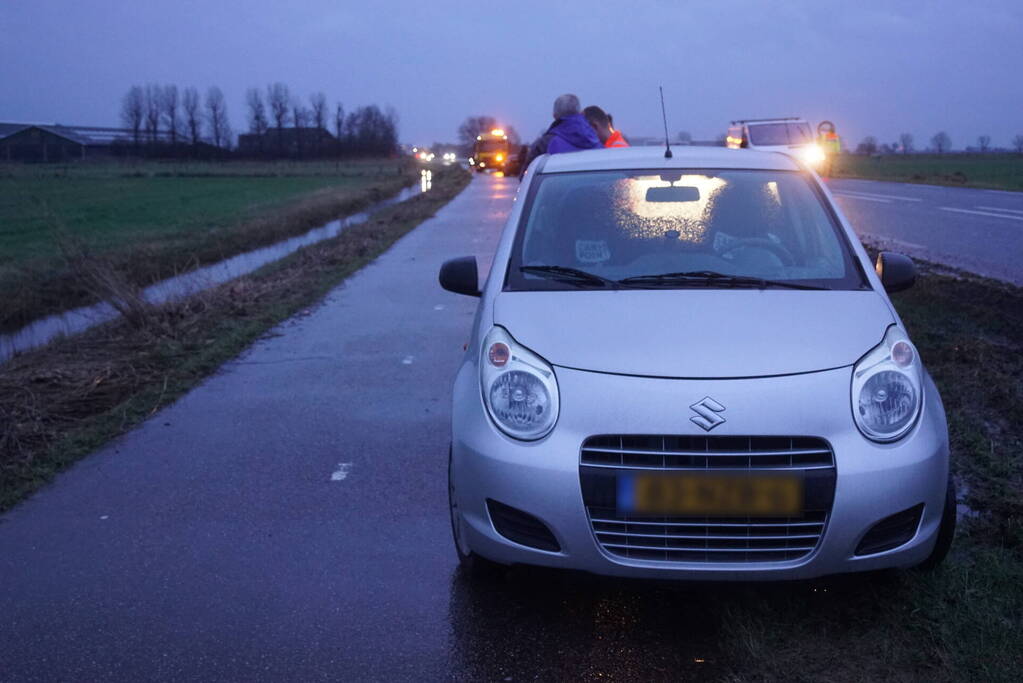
{"x": 491, "y": 145}
{"x": 780, "y": 133}
{"x": 679, "y": 229}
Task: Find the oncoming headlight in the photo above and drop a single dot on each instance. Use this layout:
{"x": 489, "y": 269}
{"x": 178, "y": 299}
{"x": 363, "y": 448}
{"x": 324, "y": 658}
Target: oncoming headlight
{"x": 519, "y": 388}
{"x": 813, "y": 154}
{"x": 887, "y": 388}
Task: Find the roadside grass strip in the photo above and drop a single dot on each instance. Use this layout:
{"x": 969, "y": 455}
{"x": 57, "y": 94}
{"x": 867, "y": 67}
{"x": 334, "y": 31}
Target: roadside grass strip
{"x": 963, "y": 621}
{"x": 995, "y": 171}
{"x": 62, "y": 401}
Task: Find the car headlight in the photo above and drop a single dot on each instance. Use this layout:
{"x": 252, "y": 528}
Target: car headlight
{"x": 813, "y": 154}
{"x": 887, "y": 388}
{"x": 519, "y": 388}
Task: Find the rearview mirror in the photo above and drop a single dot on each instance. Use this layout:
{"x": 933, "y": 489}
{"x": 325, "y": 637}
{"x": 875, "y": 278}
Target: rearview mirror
{"x": 683, "y": 193}
{"x": 897, "y": 272}
{"x": 460, "y": 275}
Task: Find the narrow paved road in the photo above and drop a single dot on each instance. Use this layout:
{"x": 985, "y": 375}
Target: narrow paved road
{"x": 976, "y": 230}
{"x": 287, "y": 520}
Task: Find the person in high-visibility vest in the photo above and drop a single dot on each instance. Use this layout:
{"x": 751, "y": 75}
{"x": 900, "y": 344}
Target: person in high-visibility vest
{"x": 830, "y": 144}
{"x": 601, "y": 123}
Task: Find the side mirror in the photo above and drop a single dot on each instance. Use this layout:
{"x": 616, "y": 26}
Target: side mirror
{"x": 459, "y": 275}
{"x": 897, "y": 272}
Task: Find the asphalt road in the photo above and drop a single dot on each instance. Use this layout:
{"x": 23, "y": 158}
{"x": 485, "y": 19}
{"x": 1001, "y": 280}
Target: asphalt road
{"x": 977, "y": 230}
{"x": 287, "y": 520}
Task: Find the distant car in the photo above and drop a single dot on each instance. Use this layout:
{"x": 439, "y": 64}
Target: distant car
{"x": 689, "y": 368}
{"x": 789, "y": 135}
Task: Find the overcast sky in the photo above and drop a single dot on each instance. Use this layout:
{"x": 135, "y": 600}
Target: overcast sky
{"x": 874, "y": 68}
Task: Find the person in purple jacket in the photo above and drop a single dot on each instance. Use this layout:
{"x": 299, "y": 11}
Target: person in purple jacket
{"x": 570, "y": 132}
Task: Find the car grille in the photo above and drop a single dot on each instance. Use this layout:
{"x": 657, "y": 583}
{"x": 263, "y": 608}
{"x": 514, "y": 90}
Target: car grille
{"x": 706, "y": 539}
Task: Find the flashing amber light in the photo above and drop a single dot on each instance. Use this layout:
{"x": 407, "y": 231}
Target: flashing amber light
{"x": 497, "y": 132}
{"x": 499, "y": 157}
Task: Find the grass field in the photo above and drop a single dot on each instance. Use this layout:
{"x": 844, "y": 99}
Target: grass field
{"x": 176, "y": 215}
{"x": 992, "y": 171}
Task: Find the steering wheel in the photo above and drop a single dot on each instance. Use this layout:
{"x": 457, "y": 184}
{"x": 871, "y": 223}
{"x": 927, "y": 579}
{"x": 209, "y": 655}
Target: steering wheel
{"x": 783, "y": 254}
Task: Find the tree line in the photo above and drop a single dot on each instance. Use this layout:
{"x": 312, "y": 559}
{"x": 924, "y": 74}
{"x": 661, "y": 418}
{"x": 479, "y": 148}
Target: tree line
{"x": 162, "y": 119}
{"x": 165, "y": 121}
{"x": 940, "y": 143}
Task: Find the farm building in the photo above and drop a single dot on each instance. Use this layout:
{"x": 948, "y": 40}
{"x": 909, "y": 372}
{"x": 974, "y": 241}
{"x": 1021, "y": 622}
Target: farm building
{"x": 54, "y": 142}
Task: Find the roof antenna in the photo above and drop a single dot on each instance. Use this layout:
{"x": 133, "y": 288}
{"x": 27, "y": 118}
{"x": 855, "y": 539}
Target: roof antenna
{"x": 667, "y": 147}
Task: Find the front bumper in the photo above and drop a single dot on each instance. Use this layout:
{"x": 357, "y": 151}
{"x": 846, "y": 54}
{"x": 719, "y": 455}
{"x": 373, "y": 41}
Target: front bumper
{"x": 542, "y": 479}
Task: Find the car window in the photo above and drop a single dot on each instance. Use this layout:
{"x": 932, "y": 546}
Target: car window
{"x": 621, "y": 224}
{"x": 780, "y": 133}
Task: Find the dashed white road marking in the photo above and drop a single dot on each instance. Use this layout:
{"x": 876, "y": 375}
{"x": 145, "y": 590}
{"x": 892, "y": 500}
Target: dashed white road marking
{"x": 865, "y": 195}
{"x": 343, "y": 468}
{"x": 982, "y": 213}
{"x": 407, "y": 360}
{"x": 996, "y": 208}
{"x": 869, "y": 199}
{"x": 439, "y": 307}
{"x": 104, "y": 516}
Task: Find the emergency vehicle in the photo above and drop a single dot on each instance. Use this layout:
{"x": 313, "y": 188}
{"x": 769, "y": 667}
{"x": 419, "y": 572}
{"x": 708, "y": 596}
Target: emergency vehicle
{"x": 490, "y": 151}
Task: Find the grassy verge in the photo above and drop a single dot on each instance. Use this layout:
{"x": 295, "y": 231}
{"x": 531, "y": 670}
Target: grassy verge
{"x": 990, "y": 171}
{"x": 151, "y": 221}
{"x": 965, "y": 620}
{"x": 61, "y": 402}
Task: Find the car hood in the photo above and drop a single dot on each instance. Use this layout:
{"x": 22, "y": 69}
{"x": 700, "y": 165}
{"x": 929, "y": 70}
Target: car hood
{"x": 696, "y": 333}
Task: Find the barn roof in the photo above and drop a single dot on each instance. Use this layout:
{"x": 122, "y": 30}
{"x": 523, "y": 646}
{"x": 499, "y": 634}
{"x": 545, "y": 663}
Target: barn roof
{"x": 82, "y": 135}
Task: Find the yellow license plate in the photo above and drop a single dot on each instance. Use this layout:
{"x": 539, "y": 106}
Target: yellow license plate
{"x": 708, "y": 495}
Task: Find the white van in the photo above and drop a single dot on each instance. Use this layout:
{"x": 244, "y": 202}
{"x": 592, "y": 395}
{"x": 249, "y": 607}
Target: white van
{"x": 790, "y": 135}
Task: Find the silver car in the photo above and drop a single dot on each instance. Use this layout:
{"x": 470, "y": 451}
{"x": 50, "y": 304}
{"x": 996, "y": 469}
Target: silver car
{"x": 688, "y": 368}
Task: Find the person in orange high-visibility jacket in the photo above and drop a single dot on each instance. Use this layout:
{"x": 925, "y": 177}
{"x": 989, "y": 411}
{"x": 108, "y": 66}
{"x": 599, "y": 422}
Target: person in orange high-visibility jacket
{"x": 830, "y": 144}
{"x": 602, "y": 123}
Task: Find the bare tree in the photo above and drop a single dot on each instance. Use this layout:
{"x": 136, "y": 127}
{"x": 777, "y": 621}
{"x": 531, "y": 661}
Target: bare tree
{"x": 318, "y": 107}
{"x": 279, "y": 98}
{"x": 684, "y": 137}
{"x": 133, "y": 106}
{"x": 473, "y": 126}
{"x": 984, "y": 142}
{"x": 906, "y": 142}
{"x": 868, "y": 146}
{"x": 216, "y": 118}
{"x": 169, "y": 111}
{"x": 301, "y": 117}
{"x": 258, "y": 123}
{"x": 339, "y": 128}
{"x": 318, "y": 118}
{"x": 1017, "y": 143}
{"x": 941, "y": 142}
{"x": 152, "y": 109}
{"x": 193, "y": 117}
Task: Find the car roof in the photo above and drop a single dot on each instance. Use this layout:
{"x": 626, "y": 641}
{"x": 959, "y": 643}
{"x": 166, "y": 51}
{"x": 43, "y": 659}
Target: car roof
{"x": 682, "y": 157}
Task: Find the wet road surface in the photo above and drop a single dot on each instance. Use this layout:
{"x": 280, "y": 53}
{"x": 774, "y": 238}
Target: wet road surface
{"x": 977, "y": 230}
{"x": 287, "y": 520}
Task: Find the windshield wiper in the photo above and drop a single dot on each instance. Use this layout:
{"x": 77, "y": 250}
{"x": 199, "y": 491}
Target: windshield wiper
{"x": 570, "y": 275}
{"x": 709, "y": 277}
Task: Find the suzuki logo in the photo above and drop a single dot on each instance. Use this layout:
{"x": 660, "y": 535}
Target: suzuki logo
{"x": 707, "y": 413}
